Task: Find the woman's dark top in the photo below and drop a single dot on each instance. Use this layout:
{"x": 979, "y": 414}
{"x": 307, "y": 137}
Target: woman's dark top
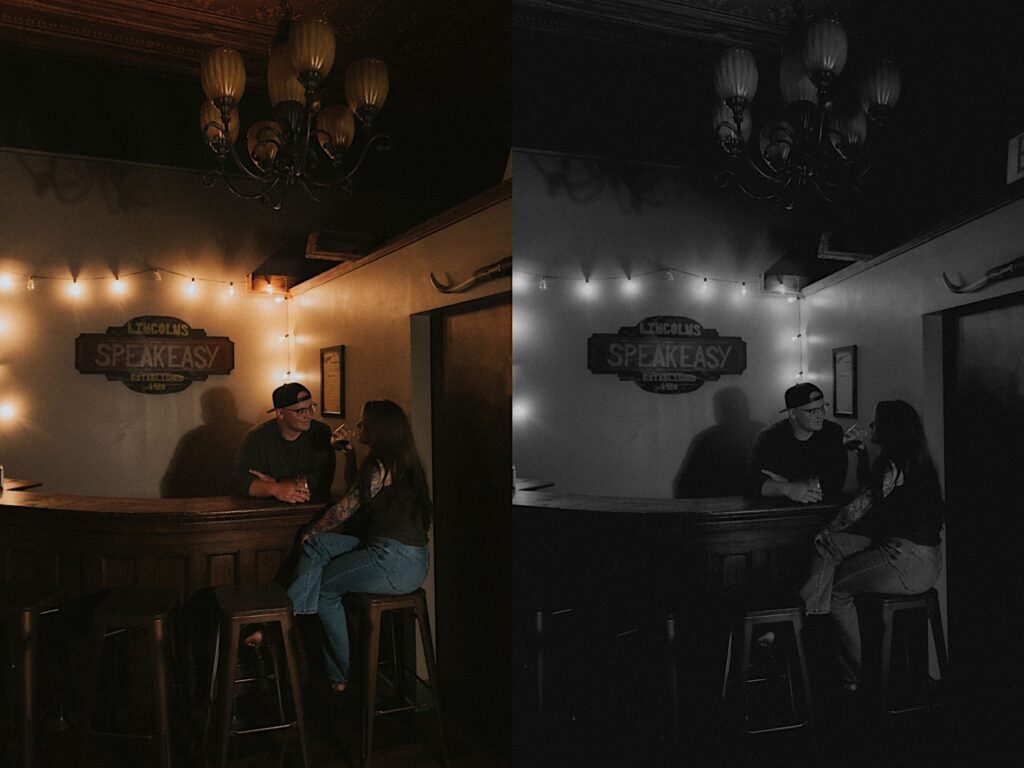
{"x": 910, "y": 511}
{"x": 394, "y": 513}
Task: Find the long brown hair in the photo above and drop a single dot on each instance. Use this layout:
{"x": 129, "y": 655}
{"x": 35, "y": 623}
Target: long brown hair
{"x": 389, "y": 437}
{"x": 900, "y": 435}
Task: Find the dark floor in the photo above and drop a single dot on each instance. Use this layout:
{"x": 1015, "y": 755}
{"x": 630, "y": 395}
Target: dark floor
{"x": 333, "y": 734}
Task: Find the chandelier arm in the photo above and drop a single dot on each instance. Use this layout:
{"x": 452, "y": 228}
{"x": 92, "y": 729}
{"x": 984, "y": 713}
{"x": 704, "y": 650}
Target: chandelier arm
{"x": 770, "y": 175}
{"x": 381, "y": 141}
{"x": 261, "y": 194}
{"x": 243, "y": 167}
{"x": 309, "y": 189}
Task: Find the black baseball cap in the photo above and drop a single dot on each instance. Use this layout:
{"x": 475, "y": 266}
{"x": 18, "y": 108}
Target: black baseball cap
{"x": 803, "y": 394}
{"x": 290, "y": 394}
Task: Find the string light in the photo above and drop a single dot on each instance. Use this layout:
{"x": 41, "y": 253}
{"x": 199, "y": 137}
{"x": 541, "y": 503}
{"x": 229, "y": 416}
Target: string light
{"x": 669, "y": 276}
{"x": 797, "y": 337}
{"x": 6, "y": 411}
{"x": 704, "y": 285}
{"x": 743, "y": 288}
{"x": 119, "y": 285}
{"x": 543, "y": 283}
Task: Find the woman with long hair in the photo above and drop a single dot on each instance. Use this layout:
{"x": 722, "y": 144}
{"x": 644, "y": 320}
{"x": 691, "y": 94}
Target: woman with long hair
{"x": 886, "y": 539}
{"x": 384, "y": 549}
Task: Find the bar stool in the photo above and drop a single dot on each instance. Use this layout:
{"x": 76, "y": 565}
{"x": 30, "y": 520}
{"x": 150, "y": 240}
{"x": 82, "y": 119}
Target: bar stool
{"x": 146, "y": 610}
{"x": 890, "y": 605}
{"x": 762, "y": 610}
{"x": 371, "y": 609}
{"x": 253, "y": 604}
{"x": 21, "y": 607}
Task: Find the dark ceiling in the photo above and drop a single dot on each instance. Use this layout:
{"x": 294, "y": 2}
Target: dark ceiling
{"x": 118, "y": 79}
{"x": 630, "y": 80}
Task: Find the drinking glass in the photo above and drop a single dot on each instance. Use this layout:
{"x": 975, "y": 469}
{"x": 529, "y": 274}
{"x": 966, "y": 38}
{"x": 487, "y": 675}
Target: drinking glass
{"x": 852, "y": 439}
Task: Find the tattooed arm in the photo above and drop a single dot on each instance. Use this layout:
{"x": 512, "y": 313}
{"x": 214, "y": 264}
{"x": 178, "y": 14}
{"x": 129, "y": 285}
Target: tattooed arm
{"x": 344, "y": 509}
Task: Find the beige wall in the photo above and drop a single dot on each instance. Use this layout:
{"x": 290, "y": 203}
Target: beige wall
{"x": 883, "y": 311}
{"x": 82, "y": 434}
{"x": 594, "y": 434}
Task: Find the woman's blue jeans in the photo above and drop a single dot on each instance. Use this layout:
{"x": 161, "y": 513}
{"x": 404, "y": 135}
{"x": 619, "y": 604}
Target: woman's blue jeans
{"x": 848, "y": 564}
{"x": 334, "y": 564}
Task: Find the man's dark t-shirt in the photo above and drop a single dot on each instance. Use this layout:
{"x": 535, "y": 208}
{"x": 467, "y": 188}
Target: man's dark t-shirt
{"x": 777, "y": 450}
{"x": 266, "y": 451}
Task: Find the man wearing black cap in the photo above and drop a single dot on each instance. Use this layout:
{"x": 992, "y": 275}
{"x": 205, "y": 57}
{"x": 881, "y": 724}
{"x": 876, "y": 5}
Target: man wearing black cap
{"x": 802, "y": 456}
{"x": 289, "y": 457}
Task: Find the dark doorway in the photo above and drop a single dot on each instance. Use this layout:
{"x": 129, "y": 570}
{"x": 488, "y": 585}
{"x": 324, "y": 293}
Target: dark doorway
{"x": 471, "y": 362}
{"x": 984, "y": 438}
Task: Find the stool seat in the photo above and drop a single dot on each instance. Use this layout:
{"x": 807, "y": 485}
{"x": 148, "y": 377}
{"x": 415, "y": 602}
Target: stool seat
{"x": 252, "y": 601}
{"x": 248, "y": 604}
{"x": 759, "y": 608}
{"x": 150, "y": 610}
{"x": 371, "y": 608}
{"x": 28, "y": 596}
{"x": 890, "y": 605}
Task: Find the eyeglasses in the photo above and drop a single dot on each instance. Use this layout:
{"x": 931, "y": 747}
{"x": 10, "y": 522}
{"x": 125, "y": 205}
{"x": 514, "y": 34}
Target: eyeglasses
{"x": 307, "y": 411}
{"x": 819, "y": 411}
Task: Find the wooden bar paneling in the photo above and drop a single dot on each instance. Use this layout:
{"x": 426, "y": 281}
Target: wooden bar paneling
{"x": 89, "y": 544}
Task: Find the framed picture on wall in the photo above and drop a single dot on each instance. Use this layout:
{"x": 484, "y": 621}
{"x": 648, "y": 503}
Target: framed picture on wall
{"x": 332, "y": 381}
{"x": 844, "y": 381}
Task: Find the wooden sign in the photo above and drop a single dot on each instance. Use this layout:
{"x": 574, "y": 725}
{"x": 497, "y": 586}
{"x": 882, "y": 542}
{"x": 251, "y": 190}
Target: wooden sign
{"x": 154, "y": 354}
{"x": 666, "y": 355}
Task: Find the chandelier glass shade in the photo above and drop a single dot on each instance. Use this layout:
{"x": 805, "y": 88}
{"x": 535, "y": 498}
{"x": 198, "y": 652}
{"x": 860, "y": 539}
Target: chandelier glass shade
{"x": 305, "y": 143}
{"x": 818, "y": 139}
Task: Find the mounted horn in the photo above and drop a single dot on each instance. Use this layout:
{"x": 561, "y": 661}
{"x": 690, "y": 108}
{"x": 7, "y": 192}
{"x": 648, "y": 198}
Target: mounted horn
{"x": 1002, "y": 272}
{"x": 493, "y": 271}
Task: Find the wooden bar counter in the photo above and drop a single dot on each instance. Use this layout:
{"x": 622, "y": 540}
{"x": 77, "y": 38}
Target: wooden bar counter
{"x": 87, "y": 544}
{"x": 621, "y": 617}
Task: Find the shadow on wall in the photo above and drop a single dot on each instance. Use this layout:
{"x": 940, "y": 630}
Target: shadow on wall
{"x": 716, "y": 460}
{"x": 205, "y": 456}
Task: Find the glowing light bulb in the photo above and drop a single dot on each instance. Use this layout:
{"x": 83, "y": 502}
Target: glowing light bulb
{"x": 231, "y": 289}
{"x": 704, "y": 285}
{"x": 6, "y": 282}
{"x": 191, "y": 288}
{"x": 75, "y": 289}
{"x": 669, "y": 276}
{"x": 118, "y": 286}
{"x": 543, "y": 283}
{"x": 156, "y": 275}
{"x": 278, "y": 299}
{"x": 795, "y": 338}
{"x": 270, "y": 288}
{"x": 6, "y": 411}
{"x": 743, "y": 288}
{"x": 31, "y": 285}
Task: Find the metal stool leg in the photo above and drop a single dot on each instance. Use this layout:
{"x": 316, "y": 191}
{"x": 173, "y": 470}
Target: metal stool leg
{"x": 371, "y": 642}
{"x": 226, "y": 686}
{"x": 428, "y": 653}
{"x": 886, "y": 660}
{"x": 288, "y": 632}
{"x": 938, "y": 636}
{"x": 158, "y": 654}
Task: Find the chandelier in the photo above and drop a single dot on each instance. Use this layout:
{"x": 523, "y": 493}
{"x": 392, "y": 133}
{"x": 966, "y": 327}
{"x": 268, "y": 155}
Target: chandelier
{"x": 817, "y": 142}
{"x": 305, "y": 143}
